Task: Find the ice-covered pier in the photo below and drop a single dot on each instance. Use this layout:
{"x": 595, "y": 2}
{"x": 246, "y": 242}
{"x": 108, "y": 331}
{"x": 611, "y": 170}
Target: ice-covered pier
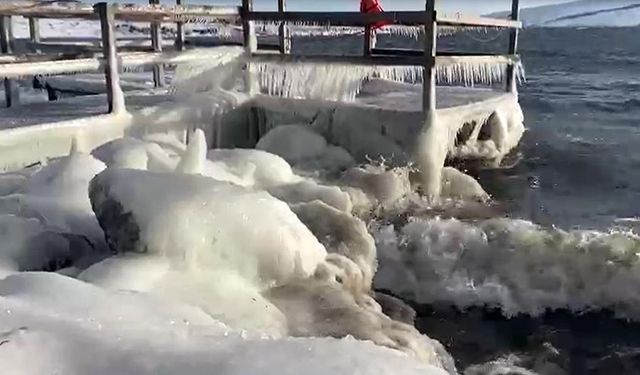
{"x": 375, "y": 104}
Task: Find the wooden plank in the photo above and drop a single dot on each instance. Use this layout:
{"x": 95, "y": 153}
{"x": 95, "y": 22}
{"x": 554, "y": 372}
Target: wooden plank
{"x": 37, "y": 57}
{"x": 430, "y": 51}
{"x": 156, "y": 43}
{"x": 416, "y": 52}
{"x": 475, "y": 21}
{"x": 284, "y": 33}
{"x": 11, "y": 94}
{"x": 115, "y": 95}
{"x": 179, "y": 32}
{"x": 16, "y": 66}
{"x": 513, "y": 49}
{"x": 25, "y": 69}
{"x": 341, "y": 18}
{"x": 129, "y": 12}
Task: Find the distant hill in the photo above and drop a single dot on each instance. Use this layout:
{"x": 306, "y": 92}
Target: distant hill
{"x": 614, "y": 13}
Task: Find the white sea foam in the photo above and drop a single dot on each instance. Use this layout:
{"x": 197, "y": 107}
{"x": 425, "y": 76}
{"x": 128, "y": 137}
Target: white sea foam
{"x": 512, "y": 265}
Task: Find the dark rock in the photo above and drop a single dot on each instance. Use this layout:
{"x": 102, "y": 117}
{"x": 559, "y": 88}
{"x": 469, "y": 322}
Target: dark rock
{"x": 122, "y": 233}
{"x": 395, "y": 308}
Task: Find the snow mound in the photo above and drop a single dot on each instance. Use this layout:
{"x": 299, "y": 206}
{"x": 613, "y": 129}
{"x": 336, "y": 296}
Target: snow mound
{"x": 207, "y": 219}
{"x": 458, "y": 185}
{"x": 56, "y": 195}
{"x": 586, "y": 13}
{"x": 52, "y": 323}
{"x": 304, "y": 148}
{"x": 260, "y": 168}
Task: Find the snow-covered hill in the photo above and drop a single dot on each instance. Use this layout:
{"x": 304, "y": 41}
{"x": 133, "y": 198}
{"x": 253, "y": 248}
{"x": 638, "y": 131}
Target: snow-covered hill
{"x": 614, "y": 13}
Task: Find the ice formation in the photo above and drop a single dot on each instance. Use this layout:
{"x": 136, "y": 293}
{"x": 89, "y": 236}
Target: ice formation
{"x": 53, "y": 323}
{"x": 307, "y": 80}
{"x": 304, "y": 148}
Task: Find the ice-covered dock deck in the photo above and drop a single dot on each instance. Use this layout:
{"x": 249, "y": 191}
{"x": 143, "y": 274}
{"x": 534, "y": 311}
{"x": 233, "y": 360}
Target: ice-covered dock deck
{"x": 268, "y": 70}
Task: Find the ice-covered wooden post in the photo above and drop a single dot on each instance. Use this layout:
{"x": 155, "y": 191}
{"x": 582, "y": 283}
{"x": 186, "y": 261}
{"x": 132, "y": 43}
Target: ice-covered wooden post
{"x": 430, "y": 40}
{"x": 513, "y": 48}
{"x": 115, "y": 95}
{"x": 368, "y": 31}
{"x": 179, "y": 32}
{"x": 10, "y": 88}
{"x": 432, "y": 142}
{"x": 250, "y": 44}
{"x": 284, "y": 34}
{"x": 34, "y": 33}
{"x": 156, "y": 43}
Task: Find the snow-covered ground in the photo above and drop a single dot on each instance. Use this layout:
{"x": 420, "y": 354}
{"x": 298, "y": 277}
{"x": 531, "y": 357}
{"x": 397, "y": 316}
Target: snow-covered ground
{"x": 594, "y": 13}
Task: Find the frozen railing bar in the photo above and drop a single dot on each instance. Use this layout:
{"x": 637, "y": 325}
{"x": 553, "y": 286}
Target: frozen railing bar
{"x": 395, "y": 60}
{"x": 15, "y": 67}
{"x": 409, "y": 18}
{"x": 416, "y": 52}
{"x": 127, "y": 12}
{"x": 349, "y": 60}
{"x": 462, "y": 20}
{"x": 340, "y": 18}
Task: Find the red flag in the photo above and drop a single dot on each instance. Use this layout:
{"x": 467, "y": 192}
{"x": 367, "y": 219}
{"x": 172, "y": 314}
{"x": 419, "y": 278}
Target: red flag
{"x": 373, "y": 6}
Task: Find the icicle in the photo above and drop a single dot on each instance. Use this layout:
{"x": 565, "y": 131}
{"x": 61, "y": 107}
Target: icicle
{"x": 192, "y": 162}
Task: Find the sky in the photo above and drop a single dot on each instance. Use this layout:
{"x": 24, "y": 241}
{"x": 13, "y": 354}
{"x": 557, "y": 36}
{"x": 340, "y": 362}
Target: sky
{"x": 448, "y": 6}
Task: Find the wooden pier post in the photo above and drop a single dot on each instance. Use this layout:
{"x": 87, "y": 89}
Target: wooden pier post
{"x": 513, "y": 48}
{"x": 115, "y": 95}
{"x": 284, "y": 33}
{"x": 179, "y": 44}
{"x": 34, "y": 33}
{"x": 250, "y": 45}
{"x": 156, "y": 43}
{"x": 431, "y": 39}
{"x": 11, "y": 95}
{"x": 367, "y": 40}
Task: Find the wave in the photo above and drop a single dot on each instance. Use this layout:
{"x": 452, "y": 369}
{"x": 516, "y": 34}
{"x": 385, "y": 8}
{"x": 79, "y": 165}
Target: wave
{"x": 513, "y": 265}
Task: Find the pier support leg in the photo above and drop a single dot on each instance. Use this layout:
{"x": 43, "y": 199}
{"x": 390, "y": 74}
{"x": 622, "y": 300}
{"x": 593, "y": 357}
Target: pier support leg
{"x": 250, "y": 45}
{"x": 430, "y": 48}
{"x": 367, "y": 41}
{"x": 11, "y": 94}
{"x": 513, "y": 49}
{"x": 284, "y": 34}
{"x": 431, "y": 149}
{"x": 156, "y": 43}
{"x": 179, "y": 44}
{"x": 115, "y": 95}
{"x": 34, "y": 33}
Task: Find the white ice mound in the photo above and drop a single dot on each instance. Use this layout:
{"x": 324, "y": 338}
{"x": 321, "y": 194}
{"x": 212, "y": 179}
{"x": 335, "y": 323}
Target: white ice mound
{"x": 304, "y": 148}
{"x": 204, "y": 223}
{"x": 51, "y": 323}
{"x": 387, "y": 186}
{"x": 458, "y": 185}
{"x": 513, "y": 265}
{"x": 259, "y": 168}
{"x": 57, "y": 196}
{"x": 309, "y": 191}
{"x": 293, "y": 142}
{"x": 28, "y": 245}
{"x": 342, "y": 234}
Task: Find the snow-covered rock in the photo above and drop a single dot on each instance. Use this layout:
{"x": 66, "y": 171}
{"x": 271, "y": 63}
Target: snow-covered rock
{"x": 204, "y": 223}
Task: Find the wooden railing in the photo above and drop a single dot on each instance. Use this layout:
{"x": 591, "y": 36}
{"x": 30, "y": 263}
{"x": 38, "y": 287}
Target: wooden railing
{"x": 13, "y": 66}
